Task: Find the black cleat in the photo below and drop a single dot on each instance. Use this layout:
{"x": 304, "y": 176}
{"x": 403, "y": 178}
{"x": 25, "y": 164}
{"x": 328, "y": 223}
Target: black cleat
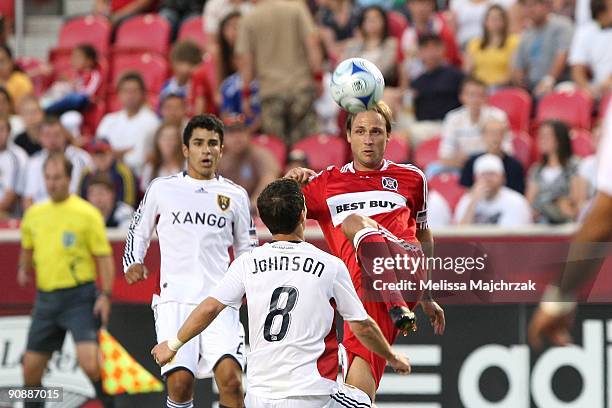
{"x": 403, "y": 319}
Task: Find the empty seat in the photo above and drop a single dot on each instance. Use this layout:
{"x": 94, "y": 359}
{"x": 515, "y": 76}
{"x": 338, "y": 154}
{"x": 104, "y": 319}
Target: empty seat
{"x": 517, "y": 104}
{"x": 193, "y": 29}
{"x": 398, "y": 150}
{"x": 582, "y": 142}
{"x": 397, "y": 24}
{"x": 148, "y": 32}
{"x": 573, "y": 108}
{"x": 427, "y": 152}
{"x": 447, "y": 184}
{"x": 92, "y": 30}
{"x": 523, "y": 147}
{"x": 323, "y": 151}
{"x": 274, "y": 145}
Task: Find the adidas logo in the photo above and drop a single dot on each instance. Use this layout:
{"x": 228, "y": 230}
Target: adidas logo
{"x": 200, "y": 190}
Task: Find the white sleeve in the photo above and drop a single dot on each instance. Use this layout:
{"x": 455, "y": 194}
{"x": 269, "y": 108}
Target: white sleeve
{"x": 33, "y": 179}
{"x": 604, "y": 170}
{"x": 461, "y": 208}
{"x": 231, "y": 289}
{"x": 347, "y": 302}
{"x": 517, "y": 213}
{"x": 578, "y": 54}
{"x": 448, "y": 142}
{"x": 102, "y": 131}
{"x": 141, "y": 229}
{"x": 245, "y": 234}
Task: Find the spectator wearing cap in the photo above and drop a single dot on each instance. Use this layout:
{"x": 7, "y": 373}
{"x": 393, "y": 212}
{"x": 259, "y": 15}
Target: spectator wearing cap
{"x": 167, "y": 157}
{"x": 173, "y": 111}
{"x": 12, "y": 168}
{"x": 54, "y": 139}
{"x": 104, "y": 162}
{"x": 130, "y": 130}
{"x": 33, "y": 116}
{"x": 494, "y": 132}
{"x": 101, "y": 193}
{"x": 591, "y": 51}
{"x": 489, "y": 201}
{"x": 245, "y": 163}
{"x": 541, "y": 59}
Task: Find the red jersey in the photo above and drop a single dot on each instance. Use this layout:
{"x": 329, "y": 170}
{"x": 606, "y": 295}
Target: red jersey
{"x": 394, "y": 196}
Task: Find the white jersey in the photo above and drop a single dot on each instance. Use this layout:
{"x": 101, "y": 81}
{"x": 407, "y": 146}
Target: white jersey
{"x": 292, "y": 290}
{"x": 35, "y": 179}
{"x": 197, "y": 222}
{"x": 13, "y": 162}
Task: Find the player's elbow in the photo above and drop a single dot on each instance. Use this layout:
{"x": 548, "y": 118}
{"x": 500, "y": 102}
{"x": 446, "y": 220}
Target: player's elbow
{"x": 362, "y": 328}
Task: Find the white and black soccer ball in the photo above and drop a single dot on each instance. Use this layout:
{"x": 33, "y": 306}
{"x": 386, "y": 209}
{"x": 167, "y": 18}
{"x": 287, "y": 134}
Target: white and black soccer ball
{"x": 357, "y": 85}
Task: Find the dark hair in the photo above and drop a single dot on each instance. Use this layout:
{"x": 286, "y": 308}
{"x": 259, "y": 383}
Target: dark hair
{"x": 51, "y": 120}
{"x": 172, "y": 96}
{"x": 7, "y": 50}
{"x": 132, "y": 76}
{"x": 89, "y": 52}
{"x": 7, "y": 95}
{"x": 61, "y": 157}
{"x": 564, "y": 143}
{"x": 156, "y": 159}
{"x": 103, "y": 179}
{"x": 427, "y": 39}
{"x": 226, "y": 65}
{"x": 186, "y": 51}
{"x": 486, "y": 38}
{"x": 471, "y": 80}
{"x": 208, "y": 122}
{"x": 383, "y": 14}
{"x": 280, "y": 205}
{"x": 382, "y": 108}
{"x": 6, "y": 121}
{"x": 598, "y": 7}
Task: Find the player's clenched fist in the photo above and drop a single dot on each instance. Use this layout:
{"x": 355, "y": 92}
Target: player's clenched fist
{"x": 300, "y": 174}
{"x": 162, "y": 354}
{"x": 136, "y": 273}
{"x": 400, "y": 364}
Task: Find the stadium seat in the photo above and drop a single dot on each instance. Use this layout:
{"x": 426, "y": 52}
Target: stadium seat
{"x": 93, "y": 30}
{"x": 7, "y": 9}
{"x": 517, "y": 104}
{"x": 447, "y": 184}
{"x": 32, "y": 66}
{"x": 582, "y": 142}
{"x": 523, "y": 147}
{"x": 323, "y": 151}
{"x": 148, "y": 32}
{"x": 193, "y": 29}
{"x": 572, "y": 108}
{"x": 274, "y": 145}
{"x": 397, "y": 24}
{"x": 398, "y": 150}
{"x": 427, "y": 152}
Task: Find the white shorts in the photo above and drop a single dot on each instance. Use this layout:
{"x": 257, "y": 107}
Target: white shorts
{"x": 224, "y": 337}
{"x": 346, "y": 396}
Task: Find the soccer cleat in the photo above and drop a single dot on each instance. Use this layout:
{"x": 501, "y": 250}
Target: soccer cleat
{"x": 403, "y": 319}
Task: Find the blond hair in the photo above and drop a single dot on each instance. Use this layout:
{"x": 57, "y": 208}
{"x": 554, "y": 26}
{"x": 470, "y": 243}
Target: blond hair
{"x": 381, "y": 108}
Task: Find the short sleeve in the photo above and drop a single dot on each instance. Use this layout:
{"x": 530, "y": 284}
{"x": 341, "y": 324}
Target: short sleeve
{"x": 314, "y": 194}
{"x": 419, "y": 212}
{"x": 231, "y": 289}
{"x": 564, "y": 36}
{"x": 27, "y": 241}
{"x": 347, "y": 302}
{"x": 579, "y": 51}
{"x": 604, "y": 181}
{"x": 97, "y": 241}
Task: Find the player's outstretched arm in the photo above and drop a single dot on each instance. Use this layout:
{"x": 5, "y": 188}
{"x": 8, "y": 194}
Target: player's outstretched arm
{"x": 300, "y": 174}
{"x": 369, "y": 334}
{"x": 199, "y": 319}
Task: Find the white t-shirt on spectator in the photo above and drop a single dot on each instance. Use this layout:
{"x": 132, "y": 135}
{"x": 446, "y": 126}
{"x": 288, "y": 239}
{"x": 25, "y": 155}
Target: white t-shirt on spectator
{"x": 216, "y": 10}
{"x": 582, "y": 12}
{"x": 604, "y": 171}
{"x": 587, "y": 169}
{"x": 136, "y": 133}
{"x": 507, "y": 209}
{"x": 459, "y": 133}
{"x": 438, "y": 211}
{"x": 13, "y": 161}
{"x": 591, "y": 47}
{"x": 35, "y": 179}
{"x": 469, "y": 16}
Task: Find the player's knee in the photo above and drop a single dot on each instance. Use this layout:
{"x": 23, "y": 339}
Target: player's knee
{"x": 180, "y": 387}
{"x": 33, "y": 369}
{"x": 91, "y": 368}
{"x": 230, "y": 384}
{"x": 355, "y": 223}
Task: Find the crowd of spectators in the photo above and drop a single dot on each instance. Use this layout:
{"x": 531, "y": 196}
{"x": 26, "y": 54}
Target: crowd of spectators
{"x": 263, "y": 68}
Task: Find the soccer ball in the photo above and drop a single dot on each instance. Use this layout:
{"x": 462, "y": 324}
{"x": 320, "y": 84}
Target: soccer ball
{"x": 357, "y": 85}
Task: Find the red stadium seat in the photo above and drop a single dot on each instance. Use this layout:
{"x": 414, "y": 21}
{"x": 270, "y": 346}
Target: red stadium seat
{"x": 323, "y": 151}
{"x": 427, "y": 152}
{"x": 397, "y": 24}
{"x": 148, "y": 32}
{"x": 7, "y": 9}
{"x": 517, "y": 105}
{"x": 274, "y": 145}
{"x": 193, "y": 29}
{"x": 398, "y": 150}
{"x": 523, "y": 147}
{"x": 572, "y": 108}
{"x": 582, "y": 142}
{"x": 32, "y": 67}
{"x": 447, "y": 184}
{"x": 93, "y": 30}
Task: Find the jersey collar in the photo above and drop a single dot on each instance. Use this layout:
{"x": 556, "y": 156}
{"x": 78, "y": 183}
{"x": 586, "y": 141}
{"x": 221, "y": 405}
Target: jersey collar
{"x": 350, "y": 168}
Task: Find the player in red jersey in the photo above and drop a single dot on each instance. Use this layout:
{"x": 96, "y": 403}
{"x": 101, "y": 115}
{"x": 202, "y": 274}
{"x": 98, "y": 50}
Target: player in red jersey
{"x": 371, "y": 200}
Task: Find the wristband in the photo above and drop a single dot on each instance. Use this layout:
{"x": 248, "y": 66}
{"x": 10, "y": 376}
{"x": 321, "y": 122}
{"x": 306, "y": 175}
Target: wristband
{"x": 175, "y": 344}
{"x": 318, "y": 76}
{"x": 555, "y": 303}
{"x": 106, "y": 293}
